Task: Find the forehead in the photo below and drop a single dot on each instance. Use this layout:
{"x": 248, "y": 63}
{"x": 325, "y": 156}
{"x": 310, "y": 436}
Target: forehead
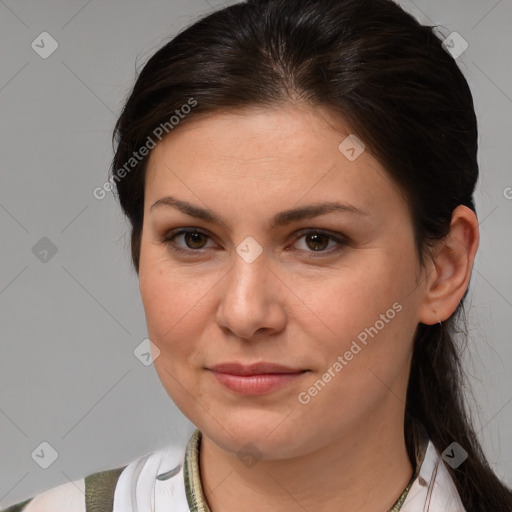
{"x": 268, "y": 156}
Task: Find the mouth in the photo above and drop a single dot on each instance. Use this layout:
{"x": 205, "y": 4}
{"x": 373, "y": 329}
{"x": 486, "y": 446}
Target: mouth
{"x": 255, "y": 379}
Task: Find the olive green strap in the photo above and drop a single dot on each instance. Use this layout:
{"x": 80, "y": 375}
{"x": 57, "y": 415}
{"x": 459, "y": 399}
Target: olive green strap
{"x": 99, "y": 490}
{"x": 18, "y": 507}
{"x": 193, "y": 486}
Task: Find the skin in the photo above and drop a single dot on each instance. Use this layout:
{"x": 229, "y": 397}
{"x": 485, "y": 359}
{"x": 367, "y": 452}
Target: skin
{"x": 345, "y": 449}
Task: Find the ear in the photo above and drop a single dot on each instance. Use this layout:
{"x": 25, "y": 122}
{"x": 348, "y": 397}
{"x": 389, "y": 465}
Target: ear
{"x": 451, "y": 266}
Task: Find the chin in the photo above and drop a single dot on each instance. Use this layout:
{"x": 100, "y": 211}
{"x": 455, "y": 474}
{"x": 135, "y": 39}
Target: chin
{"x": 266, "y": 432}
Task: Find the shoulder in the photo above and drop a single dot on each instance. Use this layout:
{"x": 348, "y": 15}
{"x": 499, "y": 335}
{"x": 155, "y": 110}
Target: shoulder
{"x": 93, "y": 492}
{"x": 68, "y": 497}
{"x": 155, "y": 479}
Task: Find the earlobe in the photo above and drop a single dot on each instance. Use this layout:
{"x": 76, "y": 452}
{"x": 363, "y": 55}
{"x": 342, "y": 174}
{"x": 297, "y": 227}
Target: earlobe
{"x": 452, "y": 265}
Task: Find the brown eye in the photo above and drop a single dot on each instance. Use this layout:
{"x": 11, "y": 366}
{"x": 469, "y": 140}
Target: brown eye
{"x": 193, "y": 241}
{"x": 317, "y": 242}
{"x": 320, "y": 242}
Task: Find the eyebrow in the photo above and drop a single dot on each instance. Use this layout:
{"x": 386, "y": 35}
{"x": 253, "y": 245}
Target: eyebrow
{"x": 280, "y": 219}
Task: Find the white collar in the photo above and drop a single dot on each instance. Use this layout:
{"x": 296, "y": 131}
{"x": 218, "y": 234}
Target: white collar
{"x": 433, "y": 490}
{"x": 139, "y": 489}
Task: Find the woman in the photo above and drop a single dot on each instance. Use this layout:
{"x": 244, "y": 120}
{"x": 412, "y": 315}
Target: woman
{"x": 299, "y": 179}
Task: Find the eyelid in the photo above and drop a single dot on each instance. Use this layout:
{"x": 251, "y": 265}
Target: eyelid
{"x": 341, "y": 240}
{"x": 338, "y": 237}
{"x": 168, "y": 237}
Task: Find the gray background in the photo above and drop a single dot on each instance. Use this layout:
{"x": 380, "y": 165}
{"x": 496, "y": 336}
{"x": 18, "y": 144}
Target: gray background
{"x": 70, "y": 324}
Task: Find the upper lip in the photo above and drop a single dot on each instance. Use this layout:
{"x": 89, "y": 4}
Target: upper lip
{"x": 253, "y": 369}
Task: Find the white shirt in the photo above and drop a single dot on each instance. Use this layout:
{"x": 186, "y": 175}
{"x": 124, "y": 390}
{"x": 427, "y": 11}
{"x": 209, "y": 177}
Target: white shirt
{"x": 140, "y": 490}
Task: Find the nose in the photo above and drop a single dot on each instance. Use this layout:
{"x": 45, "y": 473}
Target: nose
{"x": 252, "y": 300}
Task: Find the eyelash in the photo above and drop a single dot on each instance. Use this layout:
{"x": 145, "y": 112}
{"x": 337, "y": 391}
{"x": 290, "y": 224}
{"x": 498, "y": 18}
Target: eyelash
{"x": 341, "y": 241}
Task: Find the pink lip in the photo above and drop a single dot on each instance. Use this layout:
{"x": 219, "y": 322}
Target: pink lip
{"x": 254, "y": 379}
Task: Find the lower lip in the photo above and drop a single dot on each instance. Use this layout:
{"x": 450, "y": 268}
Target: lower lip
{"x": 255, "y": 384}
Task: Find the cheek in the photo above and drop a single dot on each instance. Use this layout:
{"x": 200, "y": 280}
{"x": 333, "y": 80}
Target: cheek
{"x": 358, "y": 295}
{"x": 173, "y": 307}
{"x": 371, "y": 312}
{"x": 175, "y": 318}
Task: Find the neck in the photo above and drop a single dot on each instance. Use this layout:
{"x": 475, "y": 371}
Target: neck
{"x": 365, "y": 469}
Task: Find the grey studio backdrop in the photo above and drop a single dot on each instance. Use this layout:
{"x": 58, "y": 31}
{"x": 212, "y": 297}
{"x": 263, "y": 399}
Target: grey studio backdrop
{"x": 74, "y": 395}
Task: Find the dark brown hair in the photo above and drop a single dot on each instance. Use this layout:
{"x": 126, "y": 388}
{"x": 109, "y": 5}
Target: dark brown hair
{"x": 392, "y": 81}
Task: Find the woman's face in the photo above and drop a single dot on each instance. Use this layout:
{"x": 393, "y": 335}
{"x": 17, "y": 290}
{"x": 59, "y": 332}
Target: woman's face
{"x": 331, "y": 297}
